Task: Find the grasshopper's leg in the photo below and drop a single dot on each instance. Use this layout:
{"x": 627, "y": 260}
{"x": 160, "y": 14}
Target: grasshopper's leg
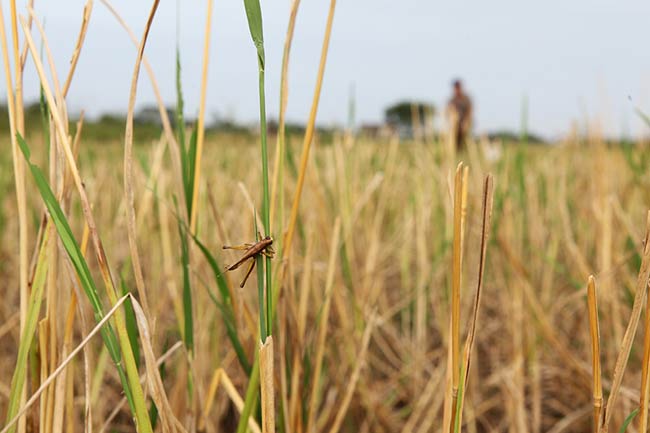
{"x": 248, "y": 273}
{"x": 269, "y": 254}
{"x": 239, "y": 262}
{"x": 242, "y": 247}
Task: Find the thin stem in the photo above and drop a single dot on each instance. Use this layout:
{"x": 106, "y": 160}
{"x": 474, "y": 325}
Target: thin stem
{"x": 265, "y": 201}
{"x": 594, "y": 333}
{"x": 201, "y": 120}
{"x": 460, "y": 193}
{"x": 309, "y": 133}
{"x": 645, "y": 394}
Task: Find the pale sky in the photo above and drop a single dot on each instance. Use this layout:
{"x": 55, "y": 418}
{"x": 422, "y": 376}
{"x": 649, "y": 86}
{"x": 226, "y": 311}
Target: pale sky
{"x": 574, "y": 60}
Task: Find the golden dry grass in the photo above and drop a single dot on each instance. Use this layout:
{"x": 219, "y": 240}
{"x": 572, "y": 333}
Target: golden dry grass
{"x": 390, "y": 254}
{"x": 560, "y": 215}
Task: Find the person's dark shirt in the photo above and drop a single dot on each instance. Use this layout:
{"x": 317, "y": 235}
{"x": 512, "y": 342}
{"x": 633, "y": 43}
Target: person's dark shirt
{"x": 462, "y": 105}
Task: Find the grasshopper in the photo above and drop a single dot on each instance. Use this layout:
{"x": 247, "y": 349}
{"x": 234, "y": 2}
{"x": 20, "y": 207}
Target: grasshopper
{"x": 263, "y": 246}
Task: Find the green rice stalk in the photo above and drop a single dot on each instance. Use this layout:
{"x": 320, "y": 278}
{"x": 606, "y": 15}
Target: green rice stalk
{"x": 628, "y": 420}
{"x": 180, "y": 118}
{"x": 188, "y": 165}
{"x": 259, "y": 262}
{"x": 188, "y": 324}
{"x": 252, "y": 394}
{"x": 254, "y": 16}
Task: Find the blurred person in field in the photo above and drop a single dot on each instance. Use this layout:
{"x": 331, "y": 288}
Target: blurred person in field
{"x": 459, "y": 114}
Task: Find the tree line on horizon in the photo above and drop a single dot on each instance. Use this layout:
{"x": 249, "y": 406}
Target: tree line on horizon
{"x": 399, "y": 118}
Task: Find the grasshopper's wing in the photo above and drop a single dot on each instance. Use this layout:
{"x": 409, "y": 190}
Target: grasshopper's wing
{"x": 242, "y": 247}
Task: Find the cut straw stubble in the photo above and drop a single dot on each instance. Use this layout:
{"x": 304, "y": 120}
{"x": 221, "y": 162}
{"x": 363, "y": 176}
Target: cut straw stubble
{"x": 267, "y": 388}
{"x": 469, "y": 342}
{"x": 15, "y": 111}
{"x": 454, "y": 325}
{"x": 594, "y": 333}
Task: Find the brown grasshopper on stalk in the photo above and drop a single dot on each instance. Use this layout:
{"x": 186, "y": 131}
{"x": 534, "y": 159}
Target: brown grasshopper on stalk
{"x": 263, "y": 246}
